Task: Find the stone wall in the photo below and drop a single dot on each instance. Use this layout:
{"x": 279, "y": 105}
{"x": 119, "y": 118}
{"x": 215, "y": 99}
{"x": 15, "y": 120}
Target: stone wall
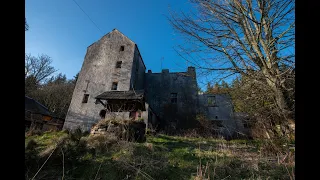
{"x": 159, "y": 86}
{"x": 124, "y": 130}
{"x": 99, "y": 71}
{"x": 221, "y": 110}
{"x": 138, "y": 71}
{"x": 97, "y": 74}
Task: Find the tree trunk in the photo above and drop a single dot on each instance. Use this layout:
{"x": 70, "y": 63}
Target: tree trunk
{"x": 280, "y": 100}
{"x": 274, "y": 84}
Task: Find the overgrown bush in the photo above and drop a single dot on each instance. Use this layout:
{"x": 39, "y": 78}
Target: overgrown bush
{"x": 77, "y": 134}
{"x": 32, "y": 132}
{"x": 101, "y": 143}
{"x": 124, "y": 130}
{"x": 31, "y": 145}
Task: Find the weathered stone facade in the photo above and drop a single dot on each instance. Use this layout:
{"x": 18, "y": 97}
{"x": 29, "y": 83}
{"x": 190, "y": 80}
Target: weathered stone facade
{"x": 161, "y": 91}
{"x": 218, "y": 107}
{"x": 98, "y": 73}
{"x": 170, "y": 100}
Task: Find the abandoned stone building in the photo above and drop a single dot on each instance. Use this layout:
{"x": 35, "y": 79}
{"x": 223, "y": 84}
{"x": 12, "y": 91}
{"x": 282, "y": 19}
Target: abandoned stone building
{"x": 113, "y": 83}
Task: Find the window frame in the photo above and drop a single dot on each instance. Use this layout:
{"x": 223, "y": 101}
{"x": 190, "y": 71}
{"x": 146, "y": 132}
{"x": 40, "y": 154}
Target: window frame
{"x": 174, "y": 98}
{"x": 116, "y": 85}
{"x": 118, "y": 64}
{"x": 213, "y": 102}
{"x": 85, "y": 98}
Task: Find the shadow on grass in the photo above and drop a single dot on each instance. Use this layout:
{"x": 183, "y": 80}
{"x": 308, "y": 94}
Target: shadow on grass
{"x": 163, "y": 158}
{"x": 178, "y": 143}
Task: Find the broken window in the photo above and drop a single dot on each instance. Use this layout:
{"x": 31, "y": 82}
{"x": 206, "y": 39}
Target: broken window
{"x": 85, "y": 98}
{"x": 114, "y": 86}
{"x": 174, "y": 97}
{"x": 122, "y": 48}
{"x": 212, "y": 101}
{"x": 118, "y": 65}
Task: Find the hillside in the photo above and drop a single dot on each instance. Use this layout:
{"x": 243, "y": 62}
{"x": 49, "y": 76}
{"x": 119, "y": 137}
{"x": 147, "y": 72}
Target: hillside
{"x": 63, "y": 155}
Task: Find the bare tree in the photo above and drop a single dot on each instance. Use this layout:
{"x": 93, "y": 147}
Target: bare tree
{"x": 252, "y": 38}
{"x": 38, "y": 67}
{"x": 55, "y": 94}
{"x": 26, "y": 26}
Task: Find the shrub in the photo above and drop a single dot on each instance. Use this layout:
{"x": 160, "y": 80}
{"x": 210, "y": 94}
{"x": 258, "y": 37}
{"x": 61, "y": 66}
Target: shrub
{"x": 33, "y": 132}
{"x": 101, "y": 143}
{"x": 76, "y": 134}
{"x": 31, "y": 144}
{"x": 124, "y": 130}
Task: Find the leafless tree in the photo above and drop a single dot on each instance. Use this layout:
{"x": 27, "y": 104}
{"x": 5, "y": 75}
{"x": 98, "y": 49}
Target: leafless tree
{"x": 253, "y": 38}
{"x": 26, "y": 26}
{"x": 38, "y": 67}
{"x": 55, "y": 94}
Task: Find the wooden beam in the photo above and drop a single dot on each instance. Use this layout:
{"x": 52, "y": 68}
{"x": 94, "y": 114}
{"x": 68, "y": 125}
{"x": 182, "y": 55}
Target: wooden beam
{"x": 99, "y": 100}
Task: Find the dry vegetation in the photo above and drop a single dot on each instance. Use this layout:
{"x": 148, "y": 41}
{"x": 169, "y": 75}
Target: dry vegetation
{"x": 64, "y": 155}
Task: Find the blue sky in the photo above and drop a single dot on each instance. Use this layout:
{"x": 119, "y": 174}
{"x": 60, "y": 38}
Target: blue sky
{"x": 61, "y": 30}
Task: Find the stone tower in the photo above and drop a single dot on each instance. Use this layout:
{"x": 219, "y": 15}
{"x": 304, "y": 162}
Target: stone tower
{"x": 113, "y": 63}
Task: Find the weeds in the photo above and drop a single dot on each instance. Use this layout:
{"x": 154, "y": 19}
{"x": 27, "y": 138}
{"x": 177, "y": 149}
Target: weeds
{"x": 161, "y": 157}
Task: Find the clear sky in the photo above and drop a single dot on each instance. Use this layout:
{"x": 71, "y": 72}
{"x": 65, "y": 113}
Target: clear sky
{"x": 60, "y": 29}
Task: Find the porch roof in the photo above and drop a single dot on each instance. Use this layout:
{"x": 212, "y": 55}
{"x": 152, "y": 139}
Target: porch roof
{"x": 122, "y": 95}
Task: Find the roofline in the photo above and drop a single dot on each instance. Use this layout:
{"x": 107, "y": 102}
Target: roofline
{"x": 127, "y": 38}
{"x": 168, "y": 73}
{"x": 34, "y": 112}
{"x": 109, "y": 33}
{"x": 39, "y": 104}
{"x": 139, "y": 91}
{"x": 122, "y": 34}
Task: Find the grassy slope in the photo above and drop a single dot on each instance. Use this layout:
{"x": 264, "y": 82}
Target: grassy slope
{"x": 161, "y": 157}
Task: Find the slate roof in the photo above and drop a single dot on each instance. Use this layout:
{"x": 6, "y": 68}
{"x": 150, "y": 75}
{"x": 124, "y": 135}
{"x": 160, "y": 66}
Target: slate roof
{"x": 35, "y": 107}
{"x": 137, "y": 94}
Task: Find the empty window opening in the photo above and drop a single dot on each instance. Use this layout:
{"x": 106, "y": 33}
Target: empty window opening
{"x": 174, "y": 97}
{"x": 246, "y": 123}
{"x": 118, "y": 65}
{"x": 114, "y": 86}
{"x": 216, "y": 117}
{"x": 85, "y": 98}
{"x": 102, "y": 113}
{"x": 122, "y": 48}
{"x": 211, "y": 101}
